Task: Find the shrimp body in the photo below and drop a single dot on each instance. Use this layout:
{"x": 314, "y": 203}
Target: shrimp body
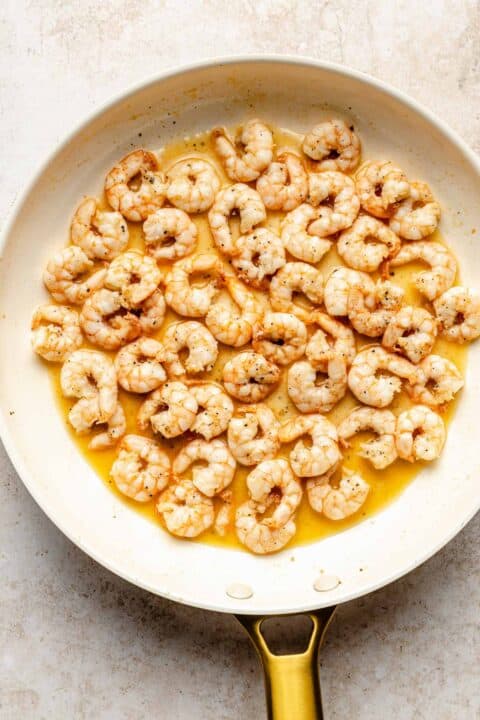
{"x": 411, "y": 331}
{"x": 418, "y": 215}
{"x": 169, "y": 234}
{"x": 90, "y": 376}
{"x": 440, "y": 277}
{"x": 280, "y": 337}
{"x": 371, "y": 313}
{"x": 355, "y": 245}
{"x": 55, "y": 332}
{"x": 293, "y": 279}
{"x": 321, "y": 454}
{"x": 375, "y": 389}
{"x": 250, "y": 377}
{"x": 134, "y": 275}
{"x": 139, "y": 365}
{"x": 380, "y": 185}
{"x": 440, "y": 383}
{"x": 184, "y": 297}
{"x": 116, "y": 427}
{"x": 338, "y": 286}
{"x": 136, "y": 205}
{"x": 298, "y": 236}
{"x": 142, "y": 468}
{"x": 257, "y": 534}
{"x": 260, "y": 255}
{"x": 311, "y": 395}
{"x": 284, "y": 184}
{"x": 200, "y": 343}
{"x": 232, "y": 326}
{"x": 152, "y": 312}
{"x": 250, "y": 207}
{"x": 253, "y": 434}
{"x": 179, "y": 415}
{"x": 420, "y": 434}
{"x": 103, "y": 323}
{"x": 338, "y": 503}
{"x": 381, "y": 451}
{"x": 186, "y": 512}
{"x": 217, "y": 409}
{"x": 220, "y": 465}
{"x": 458, "y": 312}
{"x": 332, "y": 339}
{"x": 334, "y": 145}
{"x": 192, "y": 185}
{"x": 101, "y": 235}
{"x": 256, "y": 142}
{"x": 270, "y": 476}
{"x": 334, "y": 195}
{"x": 62, "y": 272}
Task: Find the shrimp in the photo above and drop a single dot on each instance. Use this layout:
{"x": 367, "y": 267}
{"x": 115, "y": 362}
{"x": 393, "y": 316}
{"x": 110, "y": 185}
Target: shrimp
{"x": 381, "y": 451}
{"x": 237, "y": 198}
{"x": 169, "y": 234}
{"x": 370, "y": 314}
{"x": 333, "y": 339}
{"x": 134, "y": 275}
{"x": 61, "y": 276}
{"x": 380, "y": 186}
{"x": 90, "y": 376}
{"x": 411, "y": 331}
{"x": 139, "y": 365}
{"x": 217, "y": 409}
{"x": 223, "y": 518}
{"x": 420, "y": 434}
{"x": 192, "y": 185}
{"x": 152, "y": 312}
{"x": 458, "y": 312}
{"x": 260, "y": 255}
{"x": 334, "y": 145}
{"x": 170, "y": 410}
{"x": 367, "y": 381}
{"x": 440, "y": 383}
{"x": 418, "y": 215}
{"x": 101, "y": 235}
{"x": 220, "y": 466}
{"x": 253, "y": 434}
{"x": 141, "y": 469}
{"x": 229, "y": 326}
{"x": 321, "y": 454}
{"x": 334, "y": 196}
{"x": 280, "y": 337}
{"x": 338, "y": 503}
{"x": 105, "y": 323}
{"x": 298, "y": 237}
{"x": 265, "y": 481}
{"x": 284, "y": 184}
{"x": 184, "y": 297}
{"x": 441, "y": 277}
{"x": 255, "y": 143}
{"x": 135, "y": 186}
{"x": 186, "y": 512}
{"x": 115, "y": 428}
{"x": 256, "y": 534}
{"x": 201, "y": 346}
{"x": 250, "y": 377}
{"x": 55, "y": 332}
{"x": 367, "y": 244}
{"x": 338, "y": 286}
{"x": 296, "y": 278}
{"x": 311, "y": 396}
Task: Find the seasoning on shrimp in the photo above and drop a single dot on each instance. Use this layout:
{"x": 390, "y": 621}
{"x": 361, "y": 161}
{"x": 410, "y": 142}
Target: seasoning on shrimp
{"x": 169, "y": 234}
{"x": 55, "y": 332}
{"x": 101, "y": 235}
{"x": 334, "y": 145}
{"x": 284, "y": 184}
{"x": 248, "y": 155}
{"x": 294, "y": 279}
{"x": 192, "y": 185}
{"x": 136, "y": 204}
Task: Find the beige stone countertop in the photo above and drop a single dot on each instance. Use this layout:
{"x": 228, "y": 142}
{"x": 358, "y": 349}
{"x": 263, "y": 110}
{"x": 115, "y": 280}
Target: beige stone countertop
{"x": 78, "y": 643}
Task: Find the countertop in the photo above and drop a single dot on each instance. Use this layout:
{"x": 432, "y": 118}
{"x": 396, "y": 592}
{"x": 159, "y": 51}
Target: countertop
{"x": 76, "y": 642}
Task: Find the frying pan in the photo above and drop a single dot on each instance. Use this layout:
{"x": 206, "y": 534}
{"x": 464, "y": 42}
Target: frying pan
{"x": 311, "y": 579}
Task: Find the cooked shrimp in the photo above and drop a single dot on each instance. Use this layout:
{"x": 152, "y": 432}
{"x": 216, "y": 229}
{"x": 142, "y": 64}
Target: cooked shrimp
{"x": 250, "y": 377}
{"x": 440, "y": 383}
{"x": 371, "y": 313}
{"x": 284, "y": 184}
{"x": 298, "y": 238}
{"x": 334, "y": 195}
{"x": 136, "y": 200}
{"x": 170, "y": 410}
{"x": 334, "y": 145}
{"x": 223, "y": 517}
{"x": 411, "y": 331}
{"x": 367, "y": 381}
{"x": 313, "y": 396}
{"x": 169, "y": 234}
{"x": 246, "y": 156}
{"x": 418, "y": 215}
{"x": 192, "y": 185}
{"x": 367, "y": 244}
{"x": 296, "y": 278}
{"x": 184, "y": 297}
{"x": 260, "y": 255}
{"x": 434, "y": 282}
{"x": 101, "y": 235}
{"x": 266, "y": 480}
{"x": 139, "y": 365}
{"x": 229, "y": 325}
{"x": 420, "y": 434}
{"x": 338, "y": 503}
{"x": 253, "y": 434}
{"x": 104, "y": 322}
{"x": 115, "y": 428}
{"x": 332, "y": 339}
{"x": 381, "y": 451}
{"x": 321, "y": 454}
{"x": 134, "y": 275}
{"x": 338, "y": 286}
{"x": 458, "y": 311}
{"x": 64, "y": 276}
{"x": 236, "y": 198}
{"x": 280, "y": 337}
{"x": 220, "y": 466}
{"x": 142, "y": 468}
{"x": 90, "y": 375}
{"x": 152, "y": 312}
{"x": 255, "y": 532}
{"x": 55, "y": 332}
{"x": 380, "y": 185}
{"x": 197, "y": 340}
{"x": 186, "y": 512}
{"x": 217, "y": 409}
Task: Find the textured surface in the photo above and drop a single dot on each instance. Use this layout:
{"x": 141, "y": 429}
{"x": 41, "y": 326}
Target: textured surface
{"x": 77, "y": 642}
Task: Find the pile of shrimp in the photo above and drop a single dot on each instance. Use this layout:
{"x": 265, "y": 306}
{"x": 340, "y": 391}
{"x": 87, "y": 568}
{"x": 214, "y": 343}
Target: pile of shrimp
{"x": 152, "y": 323}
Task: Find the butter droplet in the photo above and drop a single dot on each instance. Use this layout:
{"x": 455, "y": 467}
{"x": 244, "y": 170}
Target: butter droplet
{"x": 239, "y": 591}
{"x": 326, "y": 582}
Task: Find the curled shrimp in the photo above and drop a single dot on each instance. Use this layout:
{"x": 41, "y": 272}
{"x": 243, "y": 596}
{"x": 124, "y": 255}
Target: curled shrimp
{"x": 367, "y": 244}
{"x": 318, "y": 457}
{"x": 101, "y": 235}
{"x": 334, "y": 145}
{"x": 141, "y": 469}
{"x": 420, "y": 434}
{"x": 338, "y": 503}
{"x": 373, "y": 388}
{"x": 440, "y": 277}
{"x": 256, "y": 534}
{"x": 239, "y": 198}
{"x": 105, "y": 323}
{"x": 284, "y": 184}
{"x": 170, "y": 410}
{"x": 182, "y": 295}
{"x": 338, "y": 286}
{"x": 458, "y": 312}
{"x": 380, "y": 185}
{"x": 250, "y": 377}
{"x": 134, "y": 275}
{"x": 280, "y": 337}
{"x": 90, "y": 376}
{"x": 294, "y": 279}
{"x": 371, "y": 313}
{"x": 136, "y": 200}
{"x": 418, "y": 215}
{"x": 152, "y": 312}
{"x": 139, "y": 365}
{"x": 333, "y": 194}
{"x": 298, "y": 236}
{"x": 169, "y": 234}
{"x": 411, "y": 331}
{"x": 440, "y": 383}
{"x": 332, "y": 339}
{"x": 246, "y": 156}
{"x": 380, "y": 451}
{"x": 64, "y": 276}
{"x": 215, "y": 409}
{"x": 267, "y": 480}
{"x": 197, "y": 340}
{"x": 114, "y": 429}
{"x": 192, "y": 185}
{"x": 55, "y": 332}
{"x": 185, "y": 511}
{"x": 260, "y": 255}
{"x": 253, "y": 434}
{"x": 313, "y": 395}
{"x": 218, "y": 472}
{"x": 229, "y": 325}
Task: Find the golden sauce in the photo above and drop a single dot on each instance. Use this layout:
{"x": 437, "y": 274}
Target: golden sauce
{"x": 386, "y": 484}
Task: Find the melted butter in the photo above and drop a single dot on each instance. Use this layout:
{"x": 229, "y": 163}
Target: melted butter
{"x": 385, "y": 484}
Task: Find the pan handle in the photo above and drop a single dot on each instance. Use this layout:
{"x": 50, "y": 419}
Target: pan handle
{"x": 292, "y": 683}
